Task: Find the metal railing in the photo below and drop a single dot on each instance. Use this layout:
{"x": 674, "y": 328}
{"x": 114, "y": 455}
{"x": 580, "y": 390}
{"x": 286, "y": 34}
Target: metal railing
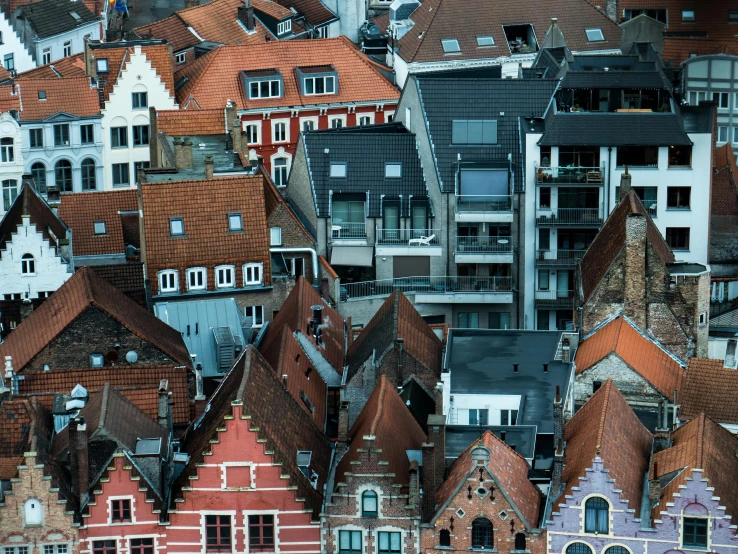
{"x": 346, "y": 230}
{"x": 559, "y": 257}
{"x": 569, "y": 216}
{"x": 484, "y": 245}
{"x": 408, "y": 237}
{"x": 554, "y": 298}
{"x": 437, "y": 285}
{"x": 489, "y": 204}
{"x": 570, "y": 175}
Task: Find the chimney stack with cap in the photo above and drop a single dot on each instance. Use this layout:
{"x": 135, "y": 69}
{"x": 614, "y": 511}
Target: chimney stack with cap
{"x": 78, "y": 457}
{"x": 246, "y": 15}
{"x": 626, "y": 180}
{"x": 199, "y": 394}
{"x": 434, "y": 463}
{"x": 209, "y": 166}
{"x": 343, "y": 427}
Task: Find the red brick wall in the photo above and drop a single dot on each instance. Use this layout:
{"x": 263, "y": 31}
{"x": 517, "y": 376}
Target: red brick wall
{"x": 293, "y": 236}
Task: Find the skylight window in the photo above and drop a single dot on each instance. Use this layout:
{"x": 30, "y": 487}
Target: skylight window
{"x": 688, "y": 15}
{"x": 176, "y": 226}
{"x": 485, "y": 41}
{"x": 338, "y": 170}
{"x": 594, "y": 35}
{"x": 393, "y": 170}
{"x": 42, "y": 95}
{"x": 76, "y": 16}
{"x": 450, "y": 46}
{"x": 102, "y": 65}
{"x": 235, "y": 222}
{"x": 99, "y": 227}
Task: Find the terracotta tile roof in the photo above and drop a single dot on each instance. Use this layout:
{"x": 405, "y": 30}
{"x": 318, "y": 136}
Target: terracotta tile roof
{"x": 204, "y": 207}
{"x": 215, "y": 77}
{"x": 700, "y": 444}
{"x": 9, "y": 467}
{"x": 272, "y": 8}
{"x": 610, "y": 241}
{"x": 28, "y": 202}
{"x": 281, "y": 422}
{"x": 508, "y": 468}
{"x": 606, "y": 426}
{"x": 16, "y": 417}
{"x": 4, "y": 74}
{"x": 217, "y": 21}
{"x": 191, "y": 122}
{"x": 709, "y": 388}
{"x": 173, "y": 29}
{"x": 295, "y": 314}
{"x": 135, "y": 383}
{"x": 464, "y": 20}
{"x": 81, "y": 211}
{"x": 8, "y": 100}
{"x": 644, "y": 355}
{"x": 385, "y": 417}
{"x": 128, "y": 278}
{"x": 314, "y": 11}
{"x": 72, "y": 95}
{"x": 273, "y": 199}
{"x": 396, "y": 318}
{"x": 678, "y": 50}
{"x": 85, "y": 289}
{"x": 71, "y": 66}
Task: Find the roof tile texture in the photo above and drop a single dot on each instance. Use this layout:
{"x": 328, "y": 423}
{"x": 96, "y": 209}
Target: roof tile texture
{"x": 72, "y": 95}
{"x": 709, "y": 388}
{"x": 191, "y": 122}
{"x": 315, "y": 12}
{"x": 128, "y": 278}
{"x": 71, "y": 66}
{"x": 217, "y": 21}
{"x": 173, "y": 29}
{"x": 41, "y": 215}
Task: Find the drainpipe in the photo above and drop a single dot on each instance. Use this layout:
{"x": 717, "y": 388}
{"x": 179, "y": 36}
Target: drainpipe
{"x": 607, "y": 183}
{"x": 312, "y": 252}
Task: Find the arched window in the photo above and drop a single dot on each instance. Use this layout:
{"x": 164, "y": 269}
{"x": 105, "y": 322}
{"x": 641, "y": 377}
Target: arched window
{"x": 578, "y": 548}
{"x": 617, "y": 550}
{"x": 63, "y": 176}
{"x": 596, "y": 516}
{"x": 445, "y": 538}
{"x": 33, "y": 511}
{"x": 6, "y": 150}
{"x": 38, "y": 172}
{"x": 482, "y": 534}
{"x": 280, "y": 171}
{"x": 28, "y": 265}
{"x": 520, "y": 541}
{"x": 10, "y": 193}
{"x": 369, "y": 504}
{"x": 88, "y": 174}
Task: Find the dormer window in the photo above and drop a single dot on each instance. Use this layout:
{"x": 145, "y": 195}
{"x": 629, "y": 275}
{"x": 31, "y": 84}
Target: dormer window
{"x": 485, "y": 41}
{"x": 102, "y": 65}
{"x": 284, "y": 27}
{"x": 264, "y": 83}
{"x": 594, "y": 35}
{"x": 521, "y": 38}
{"x": 338, "y": 170}
{"x": 320, "y": 79}
{"x": 450, "y": 46}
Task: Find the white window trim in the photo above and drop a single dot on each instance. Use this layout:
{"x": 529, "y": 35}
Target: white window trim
{"x": 286, "y": 122}
{"x": 257, "y": 124}
{"x": 313, "y": 118}
{"x": 253, "y": 310}
{"x": 247, "y": 513}
{"x": 284, "y": 27}
{"x": 232, "y": 284}
{"x": 314, "y": 80}
{"x": 583, "y": 521}
{"x": 203, "y": 532}
{"x": 387, "y": 115}
{"x": 260, "y": 267}
{"x": 43, "y": 545}
{"x": 388, "y": 529}
{"x": 271, "y": 236}
{"x": 342, "y": 117}
{"x": 25, "y": 262}
{"x": 224, "y": 475}
{"x": 204, "y": 272}
{"x": 360, "y": 504}
{"x": 123, "y": 497}
{"x": 370, "y": 115}
{"x": 281, "y": 153}
{"x": 129, "y": 537}
{"x": 270, "y": 95}
{"x": 180, "y": 58}
{"x": 159, "y": 276}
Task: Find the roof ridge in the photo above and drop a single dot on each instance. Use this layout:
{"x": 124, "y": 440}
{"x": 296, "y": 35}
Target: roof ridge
{"x": 104, "y": 407}
{"x": 382, "y": 384}
{"x": 603, "y": 416}
{"x": 700, "y": 440}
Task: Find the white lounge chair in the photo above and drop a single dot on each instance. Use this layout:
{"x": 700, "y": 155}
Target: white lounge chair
{"x": 421, "y": 241}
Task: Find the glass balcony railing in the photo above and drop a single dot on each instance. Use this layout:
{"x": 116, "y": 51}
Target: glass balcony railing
{"x": 408, "y": 237}
{"x": 484, "y": 204}
{"x": 569, "y": 216}
{"x": 558, "y": 257}
{"x": 437, "y": 285}
{"x": 570, "y": 175}
{"x": 346, "y": 230}
{"x": 484, "y": 245}
{"x": 555, "y": 298}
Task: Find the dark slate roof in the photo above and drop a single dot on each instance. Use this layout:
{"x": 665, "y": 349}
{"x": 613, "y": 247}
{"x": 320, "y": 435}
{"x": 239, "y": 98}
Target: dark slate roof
{"x": 444, "y": 101}
{"x": 53, "y": 17}
{"x": 614, "y": 79}
{"x": 365, "y": 150}
{"x": 459, "y": 437}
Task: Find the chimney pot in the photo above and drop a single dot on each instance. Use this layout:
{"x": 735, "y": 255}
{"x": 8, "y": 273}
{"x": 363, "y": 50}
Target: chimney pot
{"x": 209, "y": 166}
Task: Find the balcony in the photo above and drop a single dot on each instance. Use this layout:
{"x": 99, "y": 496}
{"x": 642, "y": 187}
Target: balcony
{"x": 554, "y": 298}
{"x": 408, "y": 242}
{"x": 558, "y": 258}
{"x": 344, "y": 230}
{"x": 569, "y": 217}
{"x": 435, "y": 290}
{"x": 569, "y": 175}
{"x": 493, "y": 209}
{"x": 484, "y": 250}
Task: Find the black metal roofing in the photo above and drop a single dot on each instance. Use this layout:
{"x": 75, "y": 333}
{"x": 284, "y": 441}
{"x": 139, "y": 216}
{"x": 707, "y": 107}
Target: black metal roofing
{"x": 365, "y": 150}
{"x": 614, "y": 79}
{"x": 481, "y": 362}
{"x": 445, "y": 100}
{"x": 614, "y": 129}
{"x": 53, "y": 17}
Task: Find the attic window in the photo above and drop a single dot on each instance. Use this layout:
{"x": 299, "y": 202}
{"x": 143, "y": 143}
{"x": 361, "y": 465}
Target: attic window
{"x": 102, "y": 65}
{"x": 99, "y": 227}
{"x": 470, "y": 131}
{"x": 176, "y": 226}
{"x": 594, "y": 35}
{"x": 485, "y": 41}
{"x": 96, "y": 360}
{"x": 521, "y": 38}
{"x": 235, "y": 222}
{"x": 450, "y": 46}
{"x": 393, "y": 170}
{"x": 338, "y": 170}
{"x": 303, "y": 459}
{"x": 42, "y": 95}
{"x": 688, "y": 15}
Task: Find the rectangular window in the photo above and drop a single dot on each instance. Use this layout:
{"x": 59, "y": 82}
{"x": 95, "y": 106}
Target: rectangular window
{"x": 261, "y": 533}
{"x": 543, "y": 279}
{"x": 180, "y": 58}
{"x": 104, "y": 547}
{"x": 733, "y": 16}
{"x": 68, "y": 48}
{"x": 544, "y": 239}
{"x": 450, "y": 46}
{"x": 638, "y": 156}
{"x": 508, "y": 417}
{"x": 235, "y": 223}
{"x": 253, "y": 273}
{"x": 255, "y": 315}
{"x": 119, "y": 137}
{"x": 87, "y": 134}
{"x": 168, "y": 281}
{"x": 393, "y": 170}
{"x": 9, "y": 62}
{"x": 469, "y": 320}
{"x": 678, "y": 197}
{"x": 225, "y": 276}
{"x": 499, "y": 320}
{"x": 45, "y": 56}
{"x": 218, "y": 533}
{"x": 37, "y": 138}
{"x": 252, "y": 134}
{"x": 275, "y": 236}
{"x": 308, "y": 125}
{"x": 349, "y": 542}
{"x": 99, "y": 227}
{"x": 722, "y": 134}
{"x": 280, "y": 171}
{"x": 695, "y": 532}
{"x": 389, "y": 542}
{"x": 121, "y": 175}
{"x": 142, "y": 546}
{"x": 139, "y": 165}
{"x": 61, "y": 135}
{"x": 366, "y": 120}
{"x": 594, "y": 35}
{"x": 544, "y": 197}
{"x": 479, "y": 417}
{"x": 485, "y": 41}
{"x": 680, "y": 156}
{"x": 735, "y": 134}
{"x": 284, "y": 27}
{"x": 139, "y": 100}
{"x": 687, "y": 16}
{"x": 196, "y": 278}
{"x": 279, "y": 132}
{"x": 101, "y": 65}
{"x": 474, "y": 131}
{"x": 55, "y": 548}
{"x": 265, "y": 89}
{"x": 320, "y": 85}
{"x": 176, "y": 226}
{"x": 336, "y": 123}
{"x": 140, "y": 135}
{"x": 677, "y": 238}
{"x": 722, "y": 99}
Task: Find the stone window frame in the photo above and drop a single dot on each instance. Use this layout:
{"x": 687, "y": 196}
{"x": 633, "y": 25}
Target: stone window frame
{"x": 375, "y": 488}
{"x": 244, "y": 527}
{"x": 374, "y": 533}
{"x": 55, "y": 545}
{"x": 128, "y": 497}
{"x": 610, "y": 511}
{"x": 350, "y": 527}
{"x": 203, "y": 531}
{"x": 134, "y": 537}
{"x": 41, "y": 508}
{"x": 683, "y": 518}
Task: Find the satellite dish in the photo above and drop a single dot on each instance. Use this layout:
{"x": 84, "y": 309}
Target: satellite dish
{"x": 131, "y": 357}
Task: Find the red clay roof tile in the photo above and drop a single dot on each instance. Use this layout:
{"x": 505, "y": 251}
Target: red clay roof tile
{"x": 709, "y": 388}
{"x": 173, "y": 29}
{"x": 72, "y": 95}
{"x": 191, "y": 122}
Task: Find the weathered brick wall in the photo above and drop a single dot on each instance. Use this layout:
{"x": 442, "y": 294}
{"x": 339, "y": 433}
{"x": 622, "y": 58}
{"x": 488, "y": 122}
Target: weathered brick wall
{"x": 58, "y": 525}
{"x": 272, "y": 300}
{"x": 94, "y": 332}
{"x": 607, "y": 300}
{"x": 293, "y": 236}
{"x": 636, "y": 390}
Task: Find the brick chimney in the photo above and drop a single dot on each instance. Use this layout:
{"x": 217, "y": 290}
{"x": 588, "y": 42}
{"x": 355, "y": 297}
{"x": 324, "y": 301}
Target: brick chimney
{"x": 635, "y": 269}
{"x": 434, "y": 463}
{"x": 246, "y": 15}
{"x": 654, "y": 486}
{"x": 163, "y": 407}
{"x": 343, "y": 426}
{"x": 183, "y": 153}
{"x": 558, "y": 417}
{"x": 209, "y": 166}
{"x": 153, "y": 139}
{"x": 414, "y": 486}
{"x": 626, "y": 180}
{"x": 557, "y": 471}
{"x": 79, "y": 458}
{"x": 234, "y": 126}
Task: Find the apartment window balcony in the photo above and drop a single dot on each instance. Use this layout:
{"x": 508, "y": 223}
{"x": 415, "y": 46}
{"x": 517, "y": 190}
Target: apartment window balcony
{"x": 554, "y": 298}
{"x": 437, "y": 286}
{"x": 408, "y": 237}
{"x": 570, "y": 175}
{"x": 484, "y": 203}
{"x": 486, "y": 245}
{"x": 347, "y": 230}
{"x": 580, "y": 217}
{"x": 558, "y": 258}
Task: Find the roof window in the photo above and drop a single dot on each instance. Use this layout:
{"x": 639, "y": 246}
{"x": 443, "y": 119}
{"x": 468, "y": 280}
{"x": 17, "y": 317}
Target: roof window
{"x": 733, "y": 16}
{"x": 99, "y": 227}
{"x": 687, "y": 16}
{"x": 472, "y": 131}
{"x": 176, "y": 226}
{"x": 521, "y": 38}
{"x": 235, "y": 223}
{"x": 393, "y": 170}
{"x": 594, "y": 35}
{"x": 42, "y": 95}
{"x": 338, "y": 169}
{"x": 485, "y": 41}
{"x": 76, "y": 16}
{"x": 102, "y": 65}
{"x": 450, "y": 46}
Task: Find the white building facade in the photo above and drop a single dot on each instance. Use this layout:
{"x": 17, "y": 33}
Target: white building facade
{"x": 13, "y": 53}
{"x": 11, "y": 160}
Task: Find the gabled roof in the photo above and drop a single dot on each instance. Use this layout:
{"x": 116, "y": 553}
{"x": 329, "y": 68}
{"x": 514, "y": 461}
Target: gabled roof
{"x": 700, "y": 444}
{"x": 365, "y": 151}
{"x": 173, "y": 29}
{"x": 314, "y": 11}
{"x": 30, "y": 203}
{"x": 386, "y": 418}
{"x": 44, "y": 97}
{"x": 445, "y": 100}
{"x": 215, "y": 78}
{"x": 282, "y": 423}
{"x": 54, "y": 17}
{"x": 71, "y": 66}
{"x": 191, "y": 122}
{"x": 16, "y": 417}
{"x": 84, "y": 290}
{"x": 709, "y": 388}
{"x": 607, "y": 427}
{"x": 464, "y": 20}
{"x": 128, "y": 278}
{"x": 728, "y": 318}
{"x": 610, "y": 243}
{"x": 81, "y": 211}
{"x": 508, "y": 468}
{"x": 396, "y": 318}
{"x": 632, "y": 345}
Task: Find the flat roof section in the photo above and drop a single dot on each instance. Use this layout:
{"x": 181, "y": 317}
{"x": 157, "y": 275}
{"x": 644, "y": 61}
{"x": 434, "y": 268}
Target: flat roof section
{"x": 459, "y": 437}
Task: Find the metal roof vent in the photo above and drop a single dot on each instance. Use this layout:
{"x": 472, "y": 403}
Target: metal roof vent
{"x": 225, "y": 348}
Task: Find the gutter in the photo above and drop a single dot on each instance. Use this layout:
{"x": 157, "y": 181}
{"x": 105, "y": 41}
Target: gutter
{"x": 312, "y": 252}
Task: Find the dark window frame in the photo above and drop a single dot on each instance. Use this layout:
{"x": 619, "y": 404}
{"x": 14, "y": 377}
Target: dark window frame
{"x": 120, "y": 510}
{"x": 259, "y": 526}
{"x": 222, "y": 541}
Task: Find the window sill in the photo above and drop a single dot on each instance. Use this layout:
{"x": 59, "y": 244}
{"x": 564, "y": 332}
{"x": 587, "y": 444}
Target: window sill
{"x": 121, "y": 185}
{"x": 682, "y": 167}
{"x": 668, "y": 209}
{"x": 637, "y": 167}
